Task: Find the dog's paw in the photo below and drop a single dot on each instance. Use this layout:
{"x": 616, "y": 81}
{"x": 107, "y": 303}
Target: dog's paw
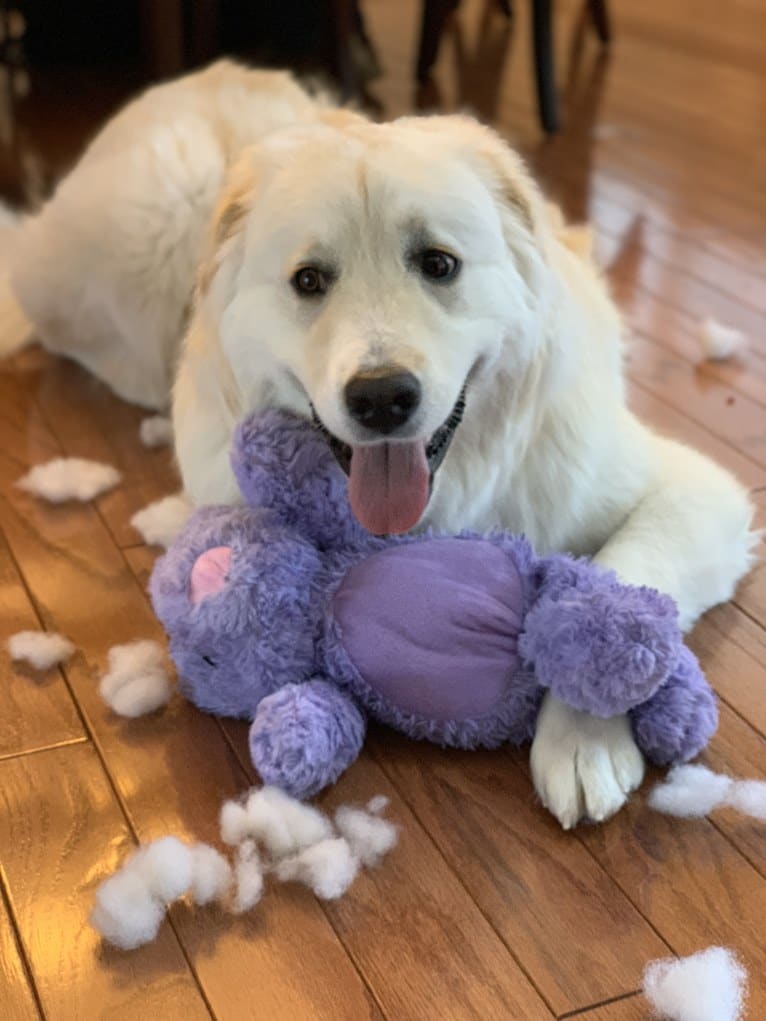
{"x": 582, "y": 766}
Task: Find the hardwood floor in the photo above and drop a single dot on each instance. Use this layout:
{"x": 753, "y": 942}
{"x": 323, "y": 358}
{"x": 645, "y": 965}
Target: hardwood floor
{"x": 486, "y": 909}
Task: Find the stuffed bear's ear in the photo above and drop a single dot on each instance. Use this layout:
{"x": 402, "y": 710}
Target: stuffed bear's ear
{"x": 283, "y": 464}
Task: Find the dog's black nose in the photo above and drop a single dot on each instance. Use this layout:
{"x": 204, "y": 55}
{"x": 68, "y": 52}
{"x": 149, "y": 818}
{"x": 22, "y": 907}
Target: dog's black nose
{"x": 382, "y": 399}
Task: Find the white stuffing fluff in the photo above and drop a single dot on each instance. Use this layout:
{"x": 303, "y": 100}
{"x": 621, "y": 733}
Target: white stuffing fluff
{"x": 749, "y": 797}
{"x": 160, "y": 522}
{"x": 720, "y": 342}
{"x": 378, "y": 804}
{"x": 131, "y": 904}
{"x": 211, "y": 875}
{"x": 282, "y": 824}
{"x": 708, "y": 986}
{"x": 248, "y": 878}
{"x": 235, "y": 823}
{"x": 125, "y": 913}
{"x": 156, "y": 431}
{"x": 41, "y": 649}
{"x": 694, "y": 791}
{"x": 69, "y": 478}
{"x": 368, "y": 836}
{"x": 328, "y": 868}
{"x": 165, "y": 866}
{"x": 136, "y": 682}
{"x": 690, "y": 792}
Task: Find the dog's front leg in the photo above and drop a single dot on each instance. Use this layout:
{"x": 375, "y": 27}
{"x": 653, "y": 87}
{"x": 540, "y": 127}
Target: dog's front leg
{"x": 689, "y": 536}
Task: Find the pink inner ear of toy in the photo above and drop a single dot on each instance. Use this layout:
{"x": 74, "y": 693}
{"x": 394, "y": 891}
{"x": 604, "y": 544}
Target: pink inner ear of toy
{"x": 209, "y": 574}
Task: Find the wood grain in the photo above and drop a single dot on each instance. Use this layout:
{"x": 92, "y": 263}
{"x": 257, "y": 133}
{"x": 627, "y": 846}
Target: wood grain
{"x": 61, "y": 833}
{"x": 18, "y": 998}
{"x": 36, "y": 709}
{"x": 510, "y": 871}
{"x": 633, "y": 1008}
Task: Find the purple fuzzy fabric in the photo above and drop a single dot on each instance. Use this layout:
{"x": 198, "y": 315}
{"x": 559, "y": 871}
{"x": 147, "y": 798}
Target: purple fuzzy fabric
{"x": 304, "y": 736}
{"x": 450, "y": 639}
{"x": 599, "y": 645}
{"x": 677, "y": 722}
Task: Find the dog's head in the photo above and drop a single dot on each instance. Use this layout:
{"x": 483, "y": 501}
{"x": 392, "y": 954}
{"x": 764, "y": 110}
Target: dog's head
{"x": 376, "y": 277}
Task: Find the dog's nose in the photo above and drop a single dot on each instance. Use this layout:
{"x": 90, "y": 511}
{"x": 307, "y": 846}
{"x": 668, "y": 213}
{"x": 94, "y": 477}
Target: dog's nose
{"x": 382, "y": 399}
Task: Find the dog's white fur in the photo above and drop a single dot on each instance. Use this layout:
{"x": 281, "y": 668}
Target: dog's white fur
{"x": 547, "y": 445}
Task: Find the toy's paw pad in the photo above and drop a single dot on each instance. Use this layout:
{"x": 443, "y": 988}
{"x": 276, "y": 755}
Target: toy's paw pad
{"x": 209, "y": 574}
{"x": 582, "y": 766}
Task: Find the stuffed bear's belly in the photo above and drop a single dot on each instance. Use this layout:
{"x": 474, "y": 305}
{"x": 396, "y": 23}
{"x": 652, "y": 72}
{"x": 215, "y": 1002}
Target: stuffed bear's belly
{"x": 432, "y": 626}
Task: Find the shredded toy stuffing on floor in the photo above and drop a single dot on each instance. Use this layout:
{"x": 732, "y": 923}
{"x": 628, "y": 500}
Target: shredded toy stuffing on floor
{"x": 720, "y": 342}
{"x": 328, "y": 868}
{"x": 137, "y": 682}
{"x": 156, "y": 431}
{"x": 272, "y": 834}
{"x": 41, "y": 649}
{"x": 708, "y": 986}
{"x": 69, "y": 478}
{"x": 160, "y": 522}
{"x": 693, "y": 791}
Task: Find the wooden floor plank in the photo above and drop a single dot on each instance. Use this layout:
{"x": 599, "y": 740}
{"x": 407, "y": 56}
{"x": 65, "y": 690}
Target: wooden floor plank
{"x": 429, "y": 933}
{"x": 633, "y": 1008}
{"x": 74, "y": 570}
{"x": 18, "y": 997}
{"x": 36, "y": 709}
{"x": 91, "y": 422}
{"x": 585, "y": 942}
{"x": 61, "y": 832}
{"x": 690, "y": 882}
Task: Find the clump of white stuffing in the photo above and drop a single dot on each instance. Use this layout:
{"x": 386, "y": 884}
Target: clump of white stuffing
{"x": 211, "y": 875}
{"x": 281, "y": 823}
{"x": 368, "y": 836}
{"x": 749, "y": 797}
{"x": 160, "y": 522}
{"x": 708, "y": 986}
{"x": 136, "y": 682}
{"x": 327, "y": 868}
{"x": 694, "y": 791}
{"x": 156, "y": 431}
{"x": 690, "y": 792}
{"x": 378, "y": 804}
{"x": 69, "y": 478}
{"x": 131, "y": 904}
{"x": 720, "y": 342}
{"x": 248, "y": 878}
{"x": 41, "y": 649}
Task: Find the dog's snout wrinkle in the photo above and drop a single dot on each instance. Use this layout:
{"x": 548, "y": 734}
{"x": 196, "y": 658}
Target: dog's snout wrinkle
{"x": 383, "y": 399}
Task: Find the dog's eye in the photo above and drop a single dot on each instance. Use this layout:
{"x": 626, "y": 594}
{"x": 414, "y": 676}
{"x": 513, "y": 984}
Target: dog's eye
{"x": 437, "y": 265}
{"x": 310, "y": 281}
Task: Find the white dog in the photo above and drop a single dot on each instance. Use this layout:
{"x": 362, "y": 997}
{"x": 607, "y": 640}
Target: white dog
{"x": 407, "y": 286}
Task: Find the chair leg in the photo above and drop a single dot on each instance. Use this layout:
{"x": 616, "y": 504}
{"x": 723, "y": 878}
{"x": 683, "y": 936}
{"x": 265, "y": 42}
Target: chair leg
{"x": 599, "y": 13}
{"x": 542, "y": 37}
{"x": 435, "y": 14}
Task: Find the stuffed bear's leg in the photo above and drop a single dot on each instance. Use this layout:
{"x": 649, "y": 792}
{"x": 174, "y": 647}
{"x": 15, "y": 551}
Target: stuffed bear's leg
{"x": 305, "y": 735}
{"x": 678, "y": 720}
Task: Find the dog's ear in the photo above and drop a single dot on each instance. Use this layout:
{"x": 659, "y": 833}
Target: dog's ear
{"x": 228, "y": 219}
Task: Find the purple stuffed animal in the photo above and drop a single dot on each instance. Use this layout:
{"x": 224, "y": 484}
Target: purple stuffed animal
{"x": 286, "y": 612}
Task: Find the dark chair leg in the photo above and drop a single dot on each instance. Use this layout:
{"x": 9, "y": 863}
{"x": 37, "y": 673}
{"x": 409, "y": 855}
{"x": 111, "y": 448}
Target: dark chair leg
{"x": 542, "y": 36}
{"x": 599, "y": 13}
{"x": 435, "y": 14}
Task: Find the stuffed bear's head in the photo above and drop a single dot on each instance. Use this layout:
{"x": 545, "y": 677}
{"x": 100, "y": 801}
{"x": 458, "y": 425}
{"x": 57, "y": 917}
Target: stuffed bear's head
{"x": 248, "y": 621}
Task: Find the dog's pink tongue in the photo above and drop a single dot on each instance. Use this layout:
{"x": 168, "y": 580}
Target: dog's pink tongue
{"x": 388, "y": 486}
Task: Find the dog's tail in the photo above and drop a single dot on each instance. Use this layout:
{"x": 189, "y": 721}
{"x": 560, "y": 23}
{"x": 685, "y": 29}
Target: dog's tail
{"x": 15, "y": 329}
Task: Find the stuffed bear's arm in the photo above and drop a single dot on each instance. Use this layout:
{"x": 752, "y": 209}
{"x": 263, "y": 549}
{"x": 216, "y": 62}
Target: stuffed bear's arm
{"x": 598, "y": 645}
{"x": 677, "y": 722}
{"x": 305, "y": 735}
{"x": 283, "y": 463}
